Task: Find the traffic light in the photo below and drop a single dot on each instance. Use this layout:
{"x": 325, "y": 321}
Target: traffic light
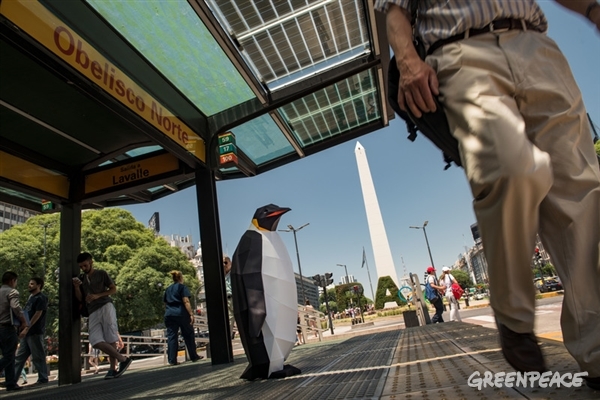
{"x": 328, "y": 278}
{"x": 317, "y": 280}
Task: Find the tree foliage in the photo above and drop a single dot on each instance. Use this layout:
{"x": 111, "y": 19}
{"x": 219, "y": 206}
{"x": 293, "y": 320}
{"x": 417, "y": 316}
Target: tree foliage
{"x": 331, "y": 296}
{"x": 333, "y": 307}
{"x": 549, "y": 270}
{"x": 346, "y": 298}
{"x": 463, "y": 278}
{"x": 134, "y": 258}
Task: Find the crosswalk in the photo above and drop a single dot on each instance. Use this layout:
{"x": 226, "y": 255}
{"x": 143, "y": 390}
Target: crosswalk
{"x": 551, "y": 311}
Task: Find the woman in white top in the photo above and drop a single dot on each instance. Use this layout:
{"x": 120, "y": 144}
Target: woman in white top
{"x": 447, "y": 280}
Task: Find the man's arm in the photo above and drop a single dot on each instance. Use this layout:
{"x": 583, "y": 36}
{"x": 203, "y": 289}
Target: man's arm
{"x": 582, "y": 7}
{"x": 13, "y": 299}
{"x": 34, "y": 319}
{"x": 418, "y": 81}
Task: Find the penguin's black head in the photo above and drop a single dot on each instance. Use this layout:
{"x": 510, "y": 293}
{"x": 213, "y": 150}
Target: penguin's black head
{"x": 267, "y": 217}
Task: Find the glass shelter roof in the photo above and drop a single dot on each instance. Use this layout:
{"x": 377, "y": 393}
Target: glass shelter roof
{"x": 116, "y": 82}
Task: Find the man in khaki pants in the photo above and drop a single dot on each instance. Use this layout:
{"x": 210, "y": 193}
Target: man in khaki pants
{"x": 526, "y": 147}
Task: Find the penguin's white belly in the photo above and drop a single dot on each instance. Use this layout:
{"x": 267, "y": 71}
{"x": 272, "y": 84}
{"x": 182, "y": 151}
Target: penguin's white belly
{"x": 281, "y": 300}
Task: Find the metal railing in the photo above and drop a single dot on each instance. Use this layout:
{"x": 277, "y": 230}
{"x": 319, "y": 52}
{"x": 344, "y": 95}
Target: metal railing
{"x": 157, "y": 343}
{"x": 311, "y": 321}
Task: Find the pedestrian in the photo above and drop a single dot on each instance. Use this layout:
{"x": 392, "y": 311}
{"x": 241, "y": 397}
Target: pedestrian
{"x": 310, "y": 317}
{"x": 227, "y": 271}
{"x": 94, "y": 358}
{"x": 437, "y": 302}
{"x": 299, "y": 337}
{"x": 102, "y": 324}
{"x": 33, "y": 342}
{"x": 526, "y": 148}
{"x": 179, "y": 315}
{"x": 10, "y": 312}
{"x": 446, "y": 279}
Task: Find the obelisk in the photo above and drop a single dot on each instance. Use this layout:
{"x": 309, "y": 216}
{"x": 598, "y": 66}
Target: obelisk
{"x": 381, "y": 247}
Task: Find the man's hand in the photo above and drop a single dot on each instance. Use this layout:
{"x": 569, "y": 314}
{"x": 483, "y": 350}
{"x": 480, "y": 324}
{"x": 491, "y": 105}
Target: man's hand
{"x": 91, "y": 297}
{"x": 418, "y": 85}
{"x": 418, "y": 82}
{"x": 23, "y": 331}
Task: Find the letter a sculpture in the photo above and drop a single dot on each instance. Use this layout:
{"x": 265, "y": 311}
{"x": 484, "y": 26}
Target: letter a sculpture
{"x": 265, "y": 303}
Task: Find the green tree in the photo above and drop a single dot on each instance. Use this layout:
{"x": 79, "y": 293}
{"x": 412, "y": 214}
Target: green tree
{"x": 462, "y": 278}
{"x": 331, "y": 296}
{"x": 346, "y": 298}
{"x": 549, "y": 270}
{"x": 138, "y": 262}
{"x": 332, "y": 307}
{"x": 597, "y": 147}
{"x": 22, "y": 251}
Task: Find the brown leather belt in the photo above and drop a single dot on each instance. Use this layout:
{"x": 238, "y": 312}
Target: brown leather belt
{"x": 501, "y": 25}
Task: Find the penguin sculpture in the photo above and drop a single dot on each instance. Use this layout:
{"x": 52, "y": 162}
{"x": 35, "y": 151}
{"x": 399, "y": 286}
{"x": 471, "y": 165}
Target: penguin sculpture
{"x": 264, "y": 297}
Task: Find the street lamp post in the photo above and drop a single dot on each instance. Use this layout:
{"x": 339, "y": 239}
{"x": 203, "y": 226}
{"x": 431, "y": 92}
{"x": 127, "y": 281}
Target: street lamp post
{"x": 426, "y": 240}
{"x": 45, "y": 226}
{"x": 346, "y": 269}
{"x": 294, "y": 230}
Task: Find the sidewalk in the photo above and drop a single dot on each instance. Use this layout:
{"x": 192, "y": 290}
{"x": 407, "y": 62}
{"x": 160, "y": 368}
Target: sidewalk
{"x": 430, "y": 362}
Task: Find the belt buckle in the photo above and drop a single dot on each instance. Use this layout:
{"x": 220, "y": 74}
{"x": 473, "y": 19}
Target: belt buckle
{"x": 492, "y": 29}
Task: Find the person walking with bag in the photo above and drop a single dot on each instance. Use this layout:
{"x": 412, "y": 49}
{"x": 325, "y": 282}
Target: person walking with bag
{"x": 447, "y": 280}
{"x": 526, "y": 146}
{"x": 179, "y": 315}
{"x": 434, "y": 295}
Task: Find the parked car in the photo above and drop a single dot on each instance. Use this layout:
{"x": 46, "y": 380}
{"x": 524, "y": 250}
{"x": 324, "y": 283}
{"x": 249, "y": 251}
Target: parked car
{"x": 479, "y": 296}
{"x": 550, "y": 284}
{"x": 146, "y": 349}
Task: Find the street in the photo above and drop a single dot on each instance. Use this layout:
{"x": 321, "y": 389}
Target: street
{"x": 547, "y": 315}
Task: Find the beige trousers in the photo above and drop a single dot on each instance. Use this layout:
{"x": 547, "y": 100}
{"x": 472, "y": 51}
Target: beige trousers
{"x": 526, "y": 146}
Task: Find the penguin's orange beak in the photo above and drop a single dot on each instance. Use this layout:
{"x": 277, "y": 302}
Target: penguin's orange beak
{"x": 278, "y": 212}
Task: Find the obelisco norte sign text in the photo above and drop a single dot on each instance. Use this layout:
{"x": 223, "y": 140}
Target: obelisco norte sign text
{"x": 43, "y": 26}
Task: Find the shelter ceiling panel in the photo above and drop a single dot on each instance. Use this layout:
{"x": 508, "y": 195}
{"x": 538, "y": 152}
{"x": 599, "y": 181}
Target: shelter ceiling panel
{"x": 174, "y": 40}
{"x": 338, "y": 108}
{"x": 288, "y": 41}
{"x": 262, "y": 140}
{"x": 33, "y": 89}
{"x": 39, "y": 140}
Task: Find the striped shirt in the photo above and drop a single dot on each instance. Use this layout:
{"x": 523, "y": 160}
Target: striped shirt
{"x": 440, "y": 19}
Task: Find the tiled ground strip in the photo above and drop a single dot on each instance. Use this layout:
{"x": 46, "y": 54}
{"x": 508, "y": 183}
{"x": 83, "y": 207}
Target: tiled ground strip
{"x": 431, "y": 362}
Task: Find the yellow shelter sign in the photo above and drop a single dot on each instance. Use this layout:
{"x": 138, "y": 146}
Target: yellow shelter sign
{"x": 127, "y": 174}
{"x": 34, "y": 19}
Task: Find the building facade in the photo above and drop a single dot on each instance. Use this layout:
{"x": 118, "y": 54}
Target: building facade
{"x": 311, "y": 291}
{"x": 11, "y": 215}
{"x": 347, "y": 279}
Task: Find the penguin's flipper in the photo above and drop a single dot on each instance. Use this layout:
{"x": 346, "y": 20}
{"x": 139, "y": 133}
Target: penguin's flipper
{"x": 247, "y": 264}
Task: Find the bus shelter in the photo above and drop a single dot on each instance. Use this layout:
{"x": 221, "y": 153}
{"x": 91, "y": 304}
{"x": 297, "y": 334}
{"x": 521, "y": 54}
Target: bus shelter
{"x": 112, "y": 102}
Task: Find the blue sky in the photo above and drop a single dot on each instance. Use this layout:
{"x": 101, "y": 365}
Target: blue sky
{"x": 411, "y": 185}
